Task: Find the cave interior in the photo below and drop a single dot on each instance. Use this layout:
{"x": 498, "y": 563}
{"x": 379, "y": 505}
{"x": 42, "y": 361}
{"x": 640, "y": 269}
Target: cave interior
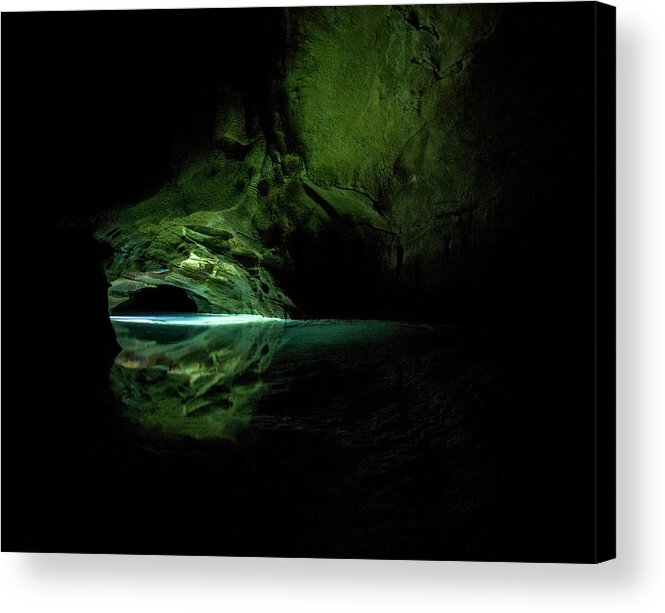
{"x": 432, "y": 165}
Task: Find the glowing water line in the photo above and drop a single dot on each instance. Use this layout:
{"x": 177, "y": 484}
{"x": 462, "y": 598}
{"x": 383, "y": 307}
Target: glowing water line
{"x": 205, "y": 319}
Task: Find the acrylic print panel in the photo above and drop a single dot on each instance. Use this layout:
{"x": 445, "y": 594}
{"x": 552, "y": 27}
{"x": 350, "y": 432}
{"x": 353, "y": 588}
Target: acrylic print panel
{"x": 317, "y": 282}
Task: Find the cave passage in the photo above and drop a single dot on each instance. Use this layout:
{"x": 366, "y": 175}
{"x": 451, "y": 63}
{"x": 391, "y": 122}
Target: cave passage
{"x": 160, "y": 299}
{"x": 247, "y": 173}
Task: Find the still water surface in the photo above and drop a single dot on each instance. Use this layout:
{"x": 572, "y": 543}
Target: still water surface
{"x": 206, "y": 376}
{"x": 356, "y": 438}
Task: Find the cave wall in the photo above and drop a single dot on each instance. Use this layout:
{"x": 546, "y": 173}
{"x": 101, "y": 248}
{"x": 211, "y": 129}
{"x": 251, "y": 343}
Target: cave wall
{"x": 383, "y": 100}
{"x": 366, "y": 83}
{"x": 368, "y": 161}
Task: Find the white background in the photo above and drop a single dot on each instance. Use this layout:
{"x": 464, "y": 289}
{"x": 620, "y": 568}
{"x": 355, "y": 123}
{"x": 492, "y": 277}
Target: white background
{"x": 633, "y": 582}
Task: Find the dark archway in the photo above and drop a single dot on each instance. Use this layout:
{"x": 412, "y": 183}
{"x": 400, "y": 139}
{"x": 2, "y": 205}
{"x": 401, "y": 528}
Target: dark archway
{"x": 161, "y": 299}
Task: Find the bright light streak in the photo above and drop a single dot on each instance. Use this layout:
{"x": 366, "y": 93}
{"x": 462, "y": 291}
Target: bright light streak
{"x": 203, "y": 319}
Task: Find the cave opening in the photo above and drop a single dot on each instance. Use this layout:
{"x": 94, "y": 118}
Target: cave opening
{"x": 160, "y": 299}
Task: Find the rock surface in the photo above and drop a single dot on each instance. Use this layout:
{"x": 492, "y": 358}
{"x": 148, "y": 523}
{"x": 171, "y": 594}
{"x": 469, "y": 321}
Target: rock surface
{"x": 365, "y": 153}
{"x": 377, "y": 162}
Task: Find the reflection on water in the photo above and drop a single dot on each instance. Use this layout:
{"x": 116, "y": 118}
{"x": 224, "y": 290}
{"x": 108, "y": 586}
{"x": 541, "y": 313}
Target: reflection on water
{"x": 205, "y": 375}
{"x": 351, "y": 438}
{"x": 198, "y": 376}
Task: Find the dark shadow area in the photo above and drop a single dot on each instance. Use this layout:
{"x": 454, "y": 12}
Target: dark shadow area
{"x": 160, "y": 299}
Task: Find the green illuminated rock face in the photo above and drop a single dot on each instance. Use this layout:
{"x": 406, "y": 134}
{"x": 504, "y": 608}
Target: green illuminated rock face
{"x": 374, "y": 91}
{"x": 360, "y": 173}
{"x": 199, "y": 234}
{"x": 387, "y": 106}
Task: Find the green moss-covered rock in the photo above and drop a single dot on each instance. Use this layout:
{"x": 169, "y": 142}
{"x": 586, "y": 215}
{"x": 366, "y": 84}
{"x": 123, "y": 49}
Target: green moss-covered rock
{"x": 198, "y": 234}
{"x": 364, "y": 81}
{"x": 368, "y": 165}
